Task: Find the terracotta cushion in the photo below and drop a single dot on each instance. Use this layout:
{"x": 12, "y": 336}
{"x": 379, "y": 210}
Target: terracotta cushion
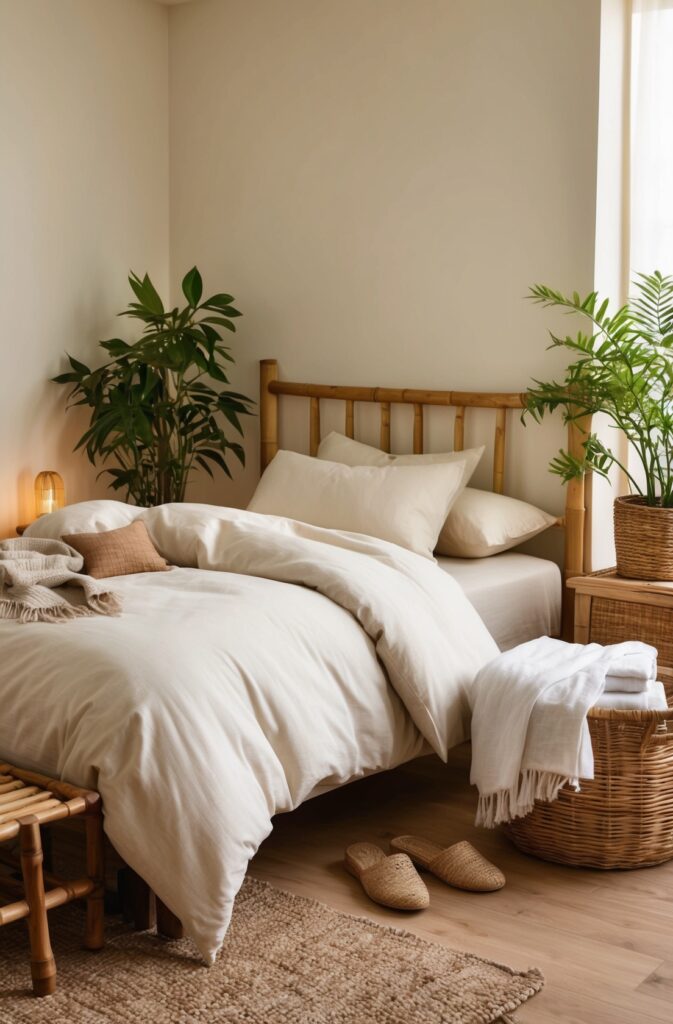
{"x": 119, "y": 552}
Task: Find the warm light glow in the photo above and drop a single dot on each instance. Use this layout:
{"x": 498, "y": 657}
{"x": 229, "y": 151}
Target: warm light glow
{"x": 49, "y": 492}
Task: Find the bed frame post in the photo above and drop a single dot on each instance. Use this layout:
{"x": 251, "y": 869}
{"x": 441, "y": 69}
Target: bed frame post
{"x": 268, "y": 412}
{"x": 577, "y": 551}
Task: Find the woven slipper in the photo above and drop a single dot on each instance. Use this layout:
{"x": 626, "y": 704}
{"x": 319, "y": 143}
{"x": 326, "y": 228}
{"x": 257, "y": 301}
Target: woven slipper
{"x": 459, "y": 865}
{"x": 392, "y": 881}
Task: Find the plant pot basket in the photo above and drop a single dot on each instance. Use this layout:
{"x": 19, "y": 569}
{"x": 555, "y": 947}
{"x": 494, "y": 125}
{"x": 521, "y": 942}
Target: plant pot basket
{"x": 643, "y": 539}
{"x": 623, "y": 818}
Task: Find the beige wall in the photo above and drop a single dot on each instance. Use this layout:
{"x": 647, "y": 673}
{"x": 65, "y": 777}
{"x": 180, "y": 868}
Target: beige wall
{"x": 83, "y": 197}
{"x": 378, "y": 182}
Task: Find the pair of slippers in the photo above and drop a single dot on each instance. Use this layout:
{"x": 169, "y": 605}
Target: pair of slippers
{"x": 394, "y": 881}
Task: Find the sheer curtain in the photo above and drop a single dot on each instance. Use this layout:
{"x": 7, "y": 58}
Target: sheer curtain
{"x": 651, "y": 137}
{"x": 634, "y": 201}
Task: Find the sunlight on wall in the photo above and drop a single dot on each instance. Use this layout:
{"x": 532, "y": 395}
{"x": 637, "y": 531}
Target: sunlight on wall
{"x": 83, "y": 197}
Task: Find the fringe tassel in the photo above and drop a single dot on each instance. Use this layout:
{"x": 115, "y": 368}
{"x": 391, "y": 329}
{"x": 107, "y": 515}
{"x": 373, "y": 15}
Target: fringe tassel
{"x": 105, "y": 604}
{"x": 98, "y": 604}
{"x": 506, "y": 804}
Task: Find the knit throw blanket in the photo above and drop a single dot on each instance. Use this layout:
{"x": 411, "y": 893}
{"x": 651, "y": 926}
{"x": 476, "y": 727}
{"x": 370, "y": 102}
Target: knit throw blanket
{"x": 32, "y": 573}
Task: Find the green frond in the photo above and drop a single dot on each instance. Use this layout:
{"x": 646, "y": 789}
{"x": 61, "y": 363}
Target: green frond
{"x": 157, "y": 408}
{"x": 623, "y": 367}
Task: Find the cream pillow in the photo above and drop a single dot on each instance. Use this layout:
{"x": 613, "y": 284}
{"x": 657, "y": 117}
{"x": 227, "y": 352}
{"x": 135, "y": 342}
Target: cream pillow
{"x": 339, "y": 448}
{"x": 84, "y": 517}
{"x": 482, "y": 523}
{"x": 402, "y": 504}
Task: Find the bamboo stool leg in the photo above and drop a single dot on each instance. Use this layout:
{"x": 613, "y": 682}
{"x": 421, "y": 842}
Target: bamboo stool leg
{"x": 94, "y": 931}
{"x": 42, "y": 964}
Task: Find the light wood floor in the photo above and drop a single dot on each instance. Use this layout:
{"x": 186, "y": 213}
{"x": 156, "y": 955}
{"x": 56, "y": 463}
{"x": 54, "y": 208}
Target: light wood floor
{"x": 604, "y": 940}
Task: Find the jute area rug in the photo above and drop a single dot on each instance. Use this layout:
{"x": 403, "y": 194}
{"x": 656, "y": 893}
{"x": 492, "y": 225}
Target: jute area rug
{"x": 286, "y": 960}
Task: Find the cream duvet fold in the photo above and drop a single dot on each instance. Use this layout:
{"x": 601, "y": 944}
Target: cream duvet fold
{"x": 427, "y": 635}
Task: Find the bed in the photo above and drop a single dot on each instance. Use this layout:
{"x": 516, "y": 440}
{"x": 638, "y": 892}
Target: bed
{"x": 488, "y": 583}
{"x": 226, "y": 693}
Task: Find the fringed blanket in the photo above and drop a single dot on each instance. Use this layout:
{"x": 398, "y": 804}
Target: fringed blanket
{"x": 530, "y": 735}
{"x": 32, "y": 573}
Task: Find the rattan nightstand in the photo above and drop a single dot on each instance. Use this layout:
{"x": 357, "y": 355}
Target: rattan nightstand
{"x": 609, "y": 609}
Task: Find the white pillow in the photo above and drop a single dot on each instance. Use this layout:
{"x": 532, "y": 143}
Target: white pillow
{"x": 84, "y": 517}
{"x": 402, "y": 504}
{"x": 339, "y": 448}
{"x": 482, "y": 523}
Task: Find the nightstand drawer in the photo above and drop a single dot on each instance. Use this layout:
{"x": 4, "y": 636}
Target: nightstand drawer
{"x": 611, "y": 621}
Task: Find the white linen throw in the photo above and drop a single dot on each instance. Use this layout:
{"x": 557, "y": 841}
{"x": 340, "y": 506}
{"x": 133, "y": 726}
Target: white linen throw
{"x": 530, "y": 735}
{"x": 31, "y": 570}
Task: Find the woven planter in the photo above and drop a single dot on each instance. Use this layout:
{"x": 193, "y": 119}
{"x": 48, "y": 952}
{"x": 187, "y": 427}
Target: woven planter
{"x": 623, "y": 818}
{"x": 643, "y": 539}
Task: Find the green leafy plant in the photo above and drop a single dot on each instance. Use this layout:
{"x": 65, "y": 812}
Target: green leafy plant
{"x": 623, "y": 367}
{"x": 156, "y": 407}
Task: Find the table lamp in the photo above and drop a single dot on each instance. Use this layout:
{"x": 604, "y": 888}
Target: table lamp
{"x": 49, "y": 492}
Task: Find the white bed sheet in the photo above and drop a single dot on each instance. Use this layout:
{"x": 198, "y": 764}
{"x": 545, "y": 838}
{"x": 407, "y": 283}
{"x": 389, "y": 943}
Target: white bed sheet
{"x": 517, "y": 596}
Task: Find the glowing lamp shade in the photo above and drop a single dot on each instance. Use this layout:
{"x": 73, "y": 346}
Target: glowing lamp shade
{"x": 49, "y": 492}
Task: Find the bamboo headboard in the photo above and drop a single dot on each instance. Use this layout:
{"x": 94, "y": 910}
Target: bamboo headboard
{"x": 576, "y": 520}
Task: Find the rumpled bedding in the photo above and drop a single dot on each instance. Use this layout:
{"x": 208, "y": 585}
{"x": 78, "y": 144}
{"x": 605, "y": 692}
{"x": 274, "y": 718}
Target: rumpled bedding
{"x": 277, "y": 660}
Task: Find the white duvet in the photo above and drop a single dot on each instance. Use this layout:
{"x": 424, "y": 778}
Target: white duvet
{"x": 220, "y": 698}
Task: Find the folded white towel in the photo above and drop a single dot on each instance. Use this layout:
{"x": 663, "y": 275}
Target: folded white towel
{"x": 624, "y": 684}
{"x": 653, "y": 698}
{"x": 634, "y": 661}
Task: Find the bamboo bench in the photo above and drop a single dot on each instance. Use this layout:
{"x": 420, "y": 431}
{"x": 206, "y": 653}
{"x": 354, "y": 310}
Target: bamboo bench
{"x": 27, "y": 802}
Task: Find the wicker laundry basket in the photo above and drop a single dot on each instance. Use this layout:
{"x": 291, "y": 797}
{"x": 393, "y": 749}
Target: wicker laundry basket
{"x": 623, "y": 818}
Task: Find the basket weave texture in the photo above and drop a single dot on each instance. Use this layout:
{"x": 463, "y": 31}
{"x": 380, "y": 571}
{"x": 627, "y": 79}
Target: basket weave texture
{"x": 643, "y": 539}
{"x": 613, "y": 621}
{"x": 623, "y": 818}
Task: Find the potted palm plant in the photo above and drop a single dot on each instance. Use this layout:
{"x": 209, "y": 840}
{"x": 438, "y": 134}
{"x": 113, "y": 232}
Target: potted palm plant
{"x": 159, "y": 405}
{"x": 623, "y": 367}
